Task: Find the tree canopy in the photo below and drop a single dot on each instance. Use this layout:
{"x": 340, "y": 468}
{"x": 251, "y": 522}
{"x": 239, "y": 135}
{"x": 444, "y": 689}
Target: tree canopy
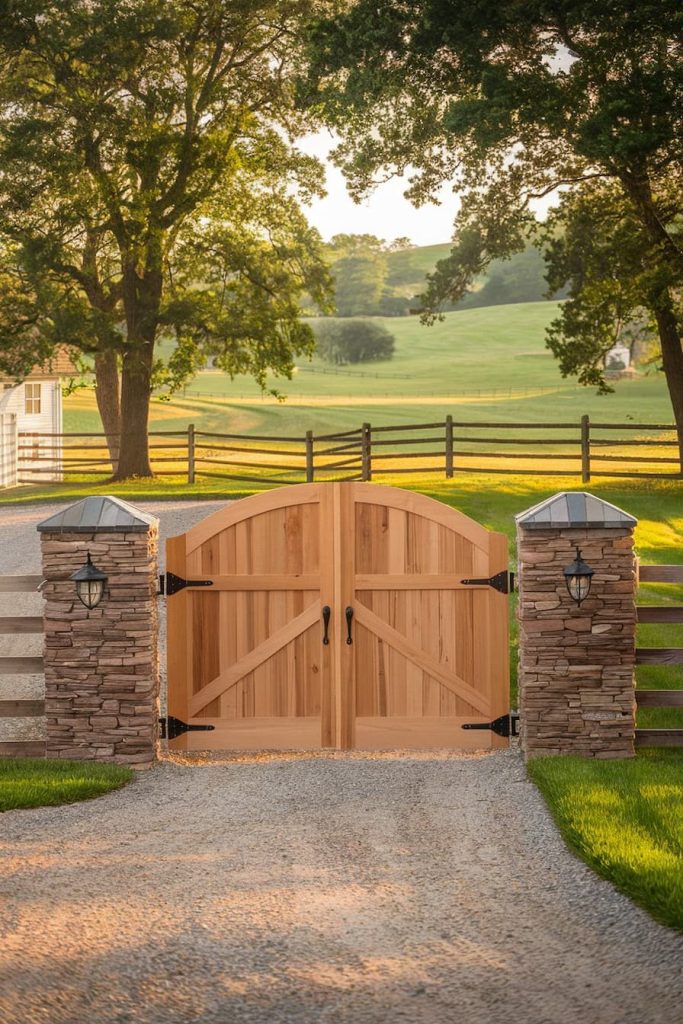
{"x": 512, "y": 101}
{"x": 149, "y": 187}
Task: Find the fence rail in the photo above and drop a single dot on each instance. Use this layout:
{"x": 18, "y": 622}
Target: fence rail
{"x": 659, "y": 656}
{"x": 25, "y": 708}
{"x": 447, "y": 447}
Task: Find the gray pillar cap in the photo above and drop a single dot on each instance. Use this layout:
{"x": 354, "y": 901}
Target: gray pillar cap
{"x": 574, "y": 508}
{"x": 103, "y": 513}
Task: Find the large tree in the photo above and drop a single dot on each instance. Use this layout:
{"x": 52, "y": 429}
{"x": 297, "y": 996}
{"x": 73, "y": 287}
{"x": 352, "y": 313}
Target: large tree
{"x": 148, "y": 188}
{"x": 511, "y": 101}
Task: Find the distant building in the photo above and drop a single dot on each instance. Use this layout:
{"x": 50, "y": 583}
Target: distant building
{"x": 30, "y": 416}
{"x": 618, "y": 358}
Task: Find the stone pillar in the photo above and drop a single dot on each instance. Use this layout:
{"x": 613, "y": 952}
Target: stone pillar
{"x": 102, "y": 665}
{"x": 576, "y": 663}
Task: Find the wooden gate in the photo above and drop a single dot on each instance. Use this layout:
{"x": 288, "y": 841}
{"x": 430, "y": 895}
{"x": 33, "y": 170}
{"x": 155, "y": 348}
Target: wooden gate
{"x": 412, "y": 653}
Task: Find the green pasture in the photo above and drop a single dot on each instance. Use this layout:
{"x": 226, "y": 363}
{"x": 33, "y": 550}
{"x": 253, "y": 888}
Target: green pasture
{"x": 478, "y": 365}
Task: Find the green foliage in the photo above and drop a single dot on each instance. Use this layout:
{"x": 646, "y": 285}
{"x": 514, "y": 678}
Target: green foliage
{"x": 625, "y": 819}
{"x": 352, "y": 341}
{"x": 360, "y": 265}
{"x": 144, "y": 150}
{"x": 28, "y": 782}
{"x": 615, "y": 277}
{"x": 512, "y": 101}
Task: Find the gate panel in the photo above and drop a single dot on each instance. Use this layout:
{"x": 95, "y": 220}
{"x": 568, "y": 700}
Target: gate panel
{"x": 430, "y": 651}
{"x": 245, "y": 653}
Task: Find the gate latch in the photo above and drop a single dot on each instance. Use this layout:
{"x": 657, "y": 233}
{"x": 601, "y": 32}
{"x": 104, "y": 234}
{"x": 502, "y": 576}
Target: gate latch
{"x": 506, "y": 725}
{"x": 170, "y": 584}
{"x": 172, "y": 727}
{"x": 504, "y": 582}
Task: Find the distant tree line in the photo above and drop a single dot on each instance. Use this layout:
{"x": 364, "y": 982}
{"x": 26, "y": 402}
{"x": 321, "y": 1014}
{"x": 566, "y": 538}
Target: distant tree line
{"x": 377, "y": 278}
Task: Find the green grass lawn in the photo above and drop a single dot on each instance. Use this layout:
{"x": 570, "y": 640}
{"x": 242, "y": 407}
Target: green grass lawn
{"x": 29, "y": 782}
{"x": 625, "y": 819}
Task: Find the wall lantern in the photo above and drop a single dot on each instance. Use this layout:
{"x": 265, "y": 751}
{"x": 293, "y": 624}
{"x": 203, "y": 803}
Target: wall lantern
{"x": 578, "y": 578}
{"x": 90, "y": 583}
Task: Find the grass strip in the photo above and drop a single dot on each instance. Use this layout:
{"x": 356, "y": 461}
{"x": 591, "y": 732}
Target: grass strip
{"x": 625, "y": 819}
{"x": 33, "y": 782}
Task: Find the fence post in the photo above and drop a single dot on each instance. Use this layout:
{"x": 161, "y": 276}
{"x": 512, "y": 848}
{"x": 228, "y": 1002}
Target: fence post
{"x": 310, "y": 471}
{"x": 366, "y": 452}
{"x": 576, "y": 662}
{"x": 190, "y": 453}
{"x": 585, "y": 449}
{"x": 449, "y": 447}
{"x": 102, "y": 663}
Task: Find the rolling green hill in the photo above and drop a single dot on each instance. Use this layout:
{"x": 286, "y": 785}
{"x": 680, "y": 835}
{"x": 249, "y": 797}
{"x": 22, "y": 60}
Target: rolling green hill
{"x": 478, "y": 365}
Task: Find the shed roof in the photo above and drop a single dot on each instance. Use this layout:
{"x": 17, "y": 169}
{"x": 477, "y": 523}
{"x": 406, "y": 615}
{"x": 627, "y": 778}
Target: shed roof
{"x": 59, "y": 365}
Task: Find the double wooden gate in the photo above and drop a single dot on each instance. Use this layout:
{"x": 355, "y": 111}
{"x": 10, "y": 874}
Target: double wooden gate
{"x": 336, "y": 615}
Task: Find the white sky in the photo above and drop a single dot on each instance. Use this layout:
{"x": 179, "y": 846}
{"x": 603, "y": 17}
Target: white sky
{"x": 386, "y": 213}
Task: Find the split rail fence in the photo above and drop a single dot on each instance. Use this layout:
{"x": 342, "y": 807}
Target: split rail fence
{"x": 13, "y": 666}
{"x": 583, "y": 449}
{"x": 659, "y": 656}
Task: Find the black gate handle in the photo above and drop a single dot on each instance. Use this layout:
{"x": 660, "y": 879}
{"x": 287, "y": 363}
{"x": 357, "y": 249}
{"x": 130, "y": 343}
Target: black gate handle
{"x": 327, "y": 611}
{"x": 349, "y": 619}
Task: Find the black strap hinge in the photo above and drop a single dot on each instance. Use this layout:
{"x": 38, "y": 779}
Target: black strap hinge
{"x": 504, "y": 582}
{"x": 505, "y": 725}
{"x": 172, "y": 727}
{"x": 170, "y": 584}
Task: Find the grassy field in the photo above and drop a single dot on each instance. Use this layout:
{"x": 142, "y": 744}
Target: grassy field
{"x": 477, "y": 365}
{"x": 28, "y": 782}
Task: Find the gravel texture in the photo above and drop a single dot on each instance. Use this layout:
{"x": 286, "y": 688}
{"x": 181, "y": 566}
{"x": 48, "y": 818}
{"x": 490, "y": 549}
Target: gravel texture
{"x": 351, "y": 889}
{"x": 340, "y": 888}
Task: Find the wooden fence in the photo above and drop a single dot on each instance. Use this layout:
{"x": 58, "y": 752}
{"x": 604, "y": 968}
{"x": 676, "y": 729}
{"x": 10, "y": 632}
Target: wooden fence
{"x": 659, "y": 656}
{"x": 12, "y": 624}
{"x": 583, "y": 449}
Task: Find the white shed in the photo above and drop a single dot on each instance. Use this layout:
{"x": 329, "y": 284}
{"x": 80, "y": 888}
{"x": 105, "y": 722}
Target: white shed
{"x": 30, "y": 417}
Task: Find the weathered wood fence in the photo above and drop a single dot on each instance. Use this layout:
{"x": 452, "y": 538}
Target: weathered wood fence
{"x": 659, "y": 656}
{"x": 583, "y": 449}
{"x": 25, "y": 624}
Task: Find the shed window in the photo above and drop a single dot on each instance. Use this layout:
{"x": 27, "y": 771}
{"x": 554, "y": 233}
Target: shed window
{"x": 32, "y": 399}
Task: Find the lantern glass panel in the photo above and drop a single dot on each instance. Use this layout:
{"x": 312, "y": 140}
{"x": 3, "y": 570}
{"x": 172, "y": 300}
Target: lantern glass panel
{"x": 90, "y": 592}
{"x": 579, "y": 587}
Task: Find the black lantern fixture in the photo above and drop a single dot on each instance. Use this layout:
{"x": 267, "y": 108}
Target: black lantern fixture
{"x": 578, "y": 578}
{"x": 90, "y": 583}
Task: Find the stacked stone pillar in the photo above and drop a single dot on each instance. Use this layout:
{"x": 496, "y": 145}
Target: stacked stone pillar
{"x": 102, "y": 664}
{"x": 576, "y": 662}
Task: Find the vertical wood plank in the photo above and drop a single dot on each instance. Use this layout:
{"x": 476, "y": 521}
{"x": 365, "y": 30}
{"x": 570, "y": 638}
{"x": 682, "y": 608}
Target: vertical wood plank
{"x": 178, "y": 658}
{"x": 345, "y": 661}
{"x": 498, "y": 632}
{"x": 326, "y": 551}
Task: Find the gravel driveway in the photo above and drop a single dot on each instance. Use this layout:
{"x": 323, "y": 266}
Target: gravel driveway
{"x": 346, "y": 888}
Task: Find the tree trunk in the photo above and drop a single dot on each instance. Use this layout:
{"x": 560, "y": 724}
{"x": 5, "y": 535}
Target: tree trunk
{"x": 672, "y": 361}
{"x": 108, "y": 401}
{"x": 135, "y": 395}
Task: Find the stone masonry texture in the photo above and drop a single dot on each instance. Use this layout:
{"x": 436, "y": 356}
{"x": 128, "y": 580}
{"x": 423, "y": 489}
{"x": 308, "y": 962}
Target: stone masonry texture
{"x": 102, "y": 665}
{"x": 576, "y": 663}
